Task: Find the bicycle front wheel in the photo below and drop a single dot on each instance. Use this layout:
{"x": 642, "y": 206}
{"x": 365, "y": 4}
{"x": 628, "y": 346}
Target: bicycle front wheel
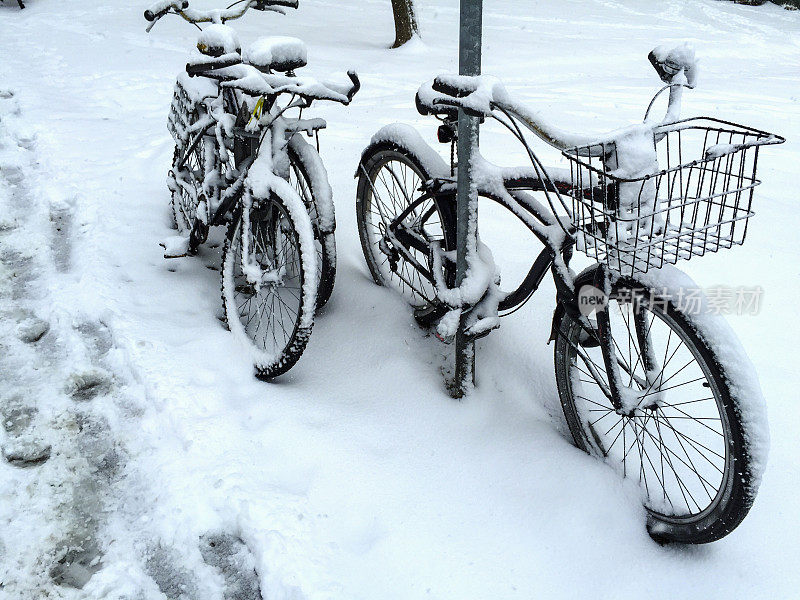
{"x": 686, "y": 442}
{"x": 268, "y": 294}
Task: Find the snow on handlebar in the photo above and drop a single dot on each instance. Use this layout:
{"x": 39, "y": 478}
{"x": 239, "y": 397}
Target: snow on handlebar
{"x": 483, "y": 94}
{"x": 181, "y": 7}
{"x": 162, "y": 7}
{"x": 231, "y": 72}
{"x": 675, "y": 66}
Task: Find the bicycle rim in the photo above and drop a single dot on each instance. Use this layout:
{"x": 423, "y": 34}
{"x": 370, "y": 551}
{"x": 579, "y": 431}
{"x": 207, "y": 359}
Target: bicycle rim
{"x": 677, "y": 446}
{"x": 270, "y": 312}
{"x": 392, "y": 185}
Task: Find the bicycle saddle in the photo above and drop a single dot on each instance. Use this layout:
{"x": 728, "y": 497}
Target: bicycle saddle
{"x": 276, "y": 53}
{"x": 216, "y": 40}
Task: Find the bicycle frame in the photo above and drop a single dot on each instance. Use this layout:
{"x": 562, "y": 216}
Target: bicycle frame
{"x": 556, "y": 238}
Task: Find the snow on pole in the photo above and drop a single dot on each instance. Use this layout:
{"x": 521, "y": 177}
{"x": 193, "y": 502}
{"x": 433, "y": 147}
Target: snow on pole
{"x": 469, "y": 63}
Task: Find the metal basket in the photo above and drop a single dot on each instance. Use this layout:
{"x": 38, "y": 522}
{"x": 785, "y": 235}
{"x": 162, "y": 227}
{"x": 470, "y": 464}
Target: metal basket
{"x": 696, "y": 198}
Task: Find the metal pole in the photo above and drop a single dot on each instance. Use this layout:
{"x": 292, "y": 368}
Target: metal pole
{"x": 469, "y": 63}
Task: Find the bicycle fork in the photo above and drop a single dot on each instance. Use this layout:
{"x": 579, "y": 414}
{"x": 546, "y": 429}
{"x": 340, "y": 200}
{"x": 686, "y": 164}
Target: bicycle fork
{"x": 640, "y": 392}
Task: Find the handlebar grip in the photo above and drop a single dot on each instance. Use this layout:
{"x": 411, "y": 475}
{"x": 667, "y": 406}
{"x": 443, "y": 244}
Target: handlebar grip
{"x": 151, "y": 15}
{"x": 445, "y": 88}
{"x": 660, "y": 68}
{"x": 263, "y": 4}
{"x": 193, "y": 70}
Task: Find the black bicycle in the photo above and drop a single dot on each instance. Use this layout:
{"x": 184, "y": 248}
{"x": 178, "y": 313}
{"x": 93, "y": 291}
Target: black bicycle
{"x": 659, "y": 391}
{"x": 240, "y": 161}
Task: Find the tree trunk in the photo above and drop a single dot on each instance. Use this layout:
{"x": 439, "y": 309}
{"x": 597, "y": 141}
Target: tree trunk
{"x": 405, "y": 21}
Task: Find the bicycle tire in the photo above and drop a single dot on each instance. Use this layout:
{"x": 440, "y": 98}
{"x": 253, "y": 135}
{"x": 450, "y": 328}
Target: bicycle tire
{"x": 308, "y": 177}
{"x": 267, "y": 217}
{"x": 739, "y": 468}
{"x": 191, "y": 210}
{"x": 183, "y": 206}
{"x": 416, "y": 170}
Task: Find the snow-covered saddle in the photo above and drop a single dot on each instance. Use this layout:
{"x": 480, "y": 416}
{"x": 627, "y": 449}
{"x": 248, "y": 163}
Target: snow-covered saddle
{"x": 217, "y": 40}
{"x": 276, "y": 53}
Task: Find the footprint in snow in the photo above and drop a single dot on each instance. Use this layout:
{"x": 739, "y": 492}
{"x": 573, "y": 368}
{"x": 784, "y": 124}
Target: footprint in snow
{"x": 230, "y": 556}
{"x": 88, "y": 385}
{"x": 175, "y": 582}
{"x": 61, "y": 221}
{"x": 22, "y": 448}
{"x": 26, "y": 453}
{"x": 32, "y": 329}
{"x": 97, "y": 337}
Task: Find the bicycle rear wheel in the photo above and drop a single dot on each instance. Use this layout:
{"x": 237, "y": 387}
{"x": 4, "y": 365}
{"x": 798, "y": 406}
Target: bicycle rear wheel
{"x": 186, "y": 185}
{"x": 269, "y": 296}
{"x": 390, "y": 178}
{"x": 685, "y": 443}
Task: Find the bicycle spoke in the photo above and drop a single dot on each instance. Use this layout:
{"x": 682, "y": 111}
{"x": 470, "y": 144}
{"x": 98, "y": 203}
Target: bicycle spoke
{"x": 694, "y": 443}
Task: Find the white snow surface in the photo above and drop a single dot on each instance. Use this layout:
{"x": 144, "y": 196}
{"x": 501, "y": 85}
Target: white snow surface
{"x": 354, "y": 476}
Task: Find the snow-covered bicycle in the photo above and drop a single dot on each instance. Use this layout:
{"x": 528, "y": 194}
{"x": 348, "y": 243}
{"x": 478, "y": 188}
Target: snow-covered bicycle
{"x": 241, "y": 161}
{"x": 661, "y": 392}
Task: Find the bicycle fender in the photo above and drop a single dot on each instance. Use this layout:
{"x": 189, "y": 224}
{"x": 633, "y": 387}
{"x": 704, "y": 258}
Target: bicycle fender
{"x": 318, "y": 178}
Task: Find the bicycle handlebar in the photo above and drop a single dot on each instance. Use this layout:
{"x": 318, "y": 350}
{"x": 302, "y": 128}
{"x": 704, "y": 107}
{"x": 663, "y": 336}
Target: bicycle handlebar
{"x": 213, "y": 64}
{"x": 480, "y": 96}
{"x": 181, "y": 7}
{"x": 159, "y": 9}
{"x": 356, "y": 86}
{"x": 255, "y": 83}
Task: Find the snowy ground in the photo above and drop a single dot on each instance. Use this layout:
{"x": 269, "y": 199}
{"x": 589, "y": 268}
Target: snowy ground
{"x": 164, "y": 469}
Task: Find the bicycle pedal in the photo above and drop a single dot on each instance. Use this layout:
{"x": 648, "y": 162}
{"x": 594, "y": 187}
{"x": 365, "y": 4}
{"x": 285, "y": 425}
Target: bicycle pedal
{"x": 445, "y": 340}
{"x": 480, "y": 335}
{"x": 429, "y": 315}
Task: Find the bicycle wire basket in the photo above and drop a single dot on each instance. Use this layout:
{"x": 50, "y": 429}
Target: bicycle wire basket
{"x": 695, "y": 199}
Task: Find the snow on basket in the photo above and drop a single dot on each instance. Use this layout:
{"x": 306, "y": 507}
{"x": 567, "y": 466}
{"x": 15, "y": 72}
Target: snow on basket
{"x": 677, "y": 191}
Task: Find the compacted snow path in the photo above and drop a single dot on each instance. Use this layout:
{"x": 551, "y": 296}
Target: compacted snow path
{"x": 143, "y": 461}
{"x": 74, "y": 503}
